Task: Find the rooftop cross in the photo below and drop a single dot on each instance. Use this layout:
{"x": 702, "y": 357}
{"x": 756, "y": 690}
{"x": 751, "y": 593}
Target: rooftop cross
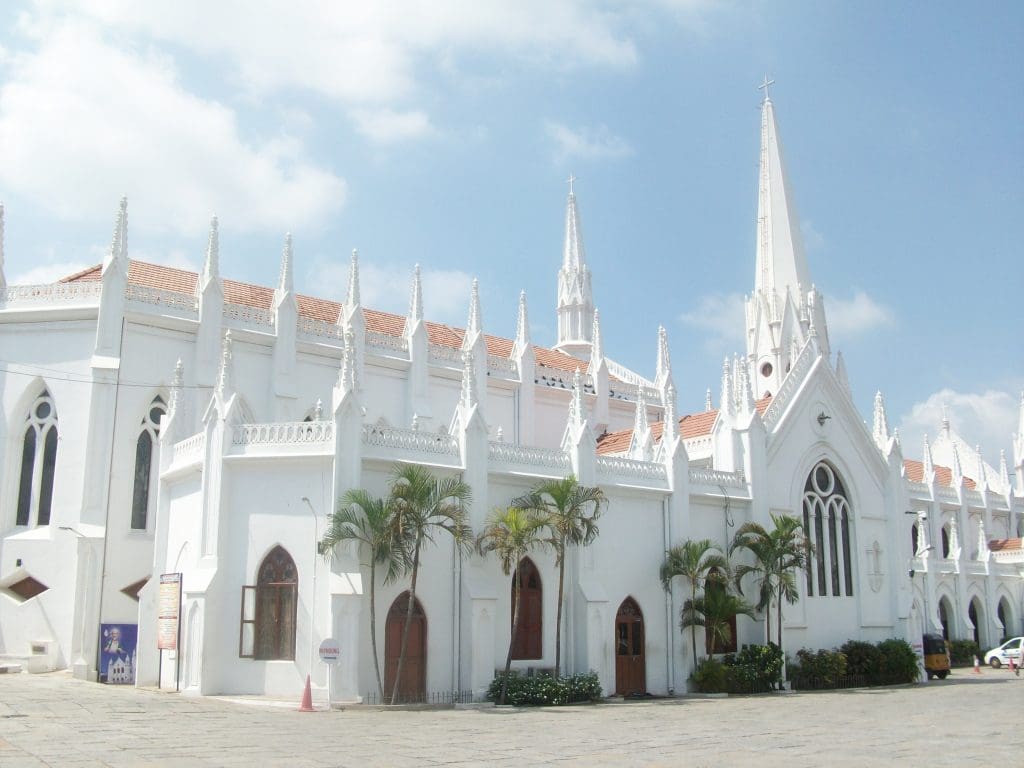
{"x": 764, "y": 87}
{"x": 572, "y": 180}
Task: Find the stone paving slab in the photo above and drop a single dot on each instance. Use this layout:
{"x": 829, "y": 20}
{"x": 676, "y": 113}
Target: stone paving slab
{"x": 55, "y": 720}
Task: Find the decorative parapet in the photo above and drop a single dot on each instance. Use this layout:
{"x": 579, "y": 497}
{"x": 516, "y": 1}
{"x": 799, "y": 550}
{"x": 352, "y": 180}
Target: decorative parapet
{"x": 160, "y": 297}
{"x": 949, "y": 494}
{"x": 447, "y": 356}
{"x": 529, "y": 456}
{"x": 558, "y": 378}
{"x": 918, "y": 489}
{"x": 699, "y": 447}
{"x": 622, "y": 390}
{"x": 318, "y": 435}
{"x": 412, "y": 440}
{"x": 717, "y": 477}
{"x": 188, "y": 451}
{"x": 789, "y": 385}
{"x": 630, "y": 469}
{"x": 503, "y": 366}
{"x": 319, "y": 330}
{"x": 50, "y": 294}
{"x": 625, "y": 375}
{"x": 974, "y": 497}
{"x": 244, "y": 315}
{"x": 387, "y": 343}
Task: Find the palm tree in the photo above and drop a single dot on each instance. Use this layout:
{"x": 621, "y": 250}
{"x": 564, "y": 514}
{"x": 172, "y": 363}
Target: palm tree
{"x": 714, "y": 610}
{"x": 423, "y": 506}
{"x": 778, "y": 554}
{"x": 369, "y": 521}
{"x": 693, "y": 560}
{"x": 511, "y": 534}
{"x": 563, "y": 505}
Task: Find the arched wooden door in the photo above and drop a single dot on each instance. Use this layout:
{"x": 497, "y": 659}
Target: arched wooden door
{"x": 529, "y": 640}
{"x": 413, "y": 686}
{"x": 630, "y": 665}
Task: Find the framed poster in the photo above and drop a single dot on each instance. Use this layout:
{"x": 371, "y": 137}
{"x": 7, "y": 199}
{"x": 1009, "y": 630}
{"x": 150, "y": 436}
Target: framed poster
{"x": 117, "y": 653}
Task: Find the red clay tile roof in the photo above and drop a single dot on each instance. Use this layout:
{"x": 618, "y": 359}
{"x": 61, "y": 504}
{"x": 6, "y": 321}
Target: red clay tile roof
{"x": 914, "y": 471}
{"x": 261, "y": 297}
{"x": 1000, "y": 545}
{"x": 691, "y": 425}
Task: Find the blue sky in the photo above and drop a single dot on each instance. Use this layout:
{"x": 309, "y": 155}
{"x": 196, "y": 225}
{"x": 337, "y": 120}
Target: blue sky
{"x": 442, "y": 133}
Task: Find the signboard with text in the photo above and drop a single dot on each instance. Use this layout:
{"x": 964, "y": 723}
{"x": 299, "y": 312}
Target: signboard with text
{"x": 168, "y": 611}
{"x": 330, "y": 651}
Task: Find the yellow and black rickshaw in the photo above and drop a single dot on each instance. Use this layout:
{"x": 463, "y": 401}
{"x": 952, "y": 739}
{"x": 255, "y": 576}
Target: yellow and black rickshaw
{"x": 936, "y": 657}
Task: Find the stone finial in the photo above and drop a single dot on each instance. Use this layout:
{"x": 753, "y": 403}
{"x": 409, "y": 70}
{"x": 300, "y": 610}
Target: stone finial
{"x": 841, "y": 373}
{"x": 746, "y": 393}
{"x": 118, "y": 252}
{"x": 3, "y": 279}
{"x": 224, "y": 377}
{"x": 352, "y": 299}
{"x": 286, "y": 283}
{"x": 982, "y": 539}
{"x": 664, "y": 361}
{"x": 707, "y": 401}
{"x": 522, "y": 324}
{"x": 177, "y": 385}
{"x": 945, "y": 419}
{"x": 954, "y": 539}
{"x": 981, "y": 479}
{"x": 415, "y": 422}
{"x": 896, "y": 435}
{"x": 596, "y": 346}
{"x": 318, "y": 410}
{"x": 880, "y": 423}
{"x": 576, "y": 402}
{"x": 957, "y": 469}
{"x": 640, "y": 422}
{"x": 347, "y": 375}
{"x": 500, "y": 435}
{"x": 670, "y": 426}
{"x": 926, "y": 461}
{"x": 922, "y": 534}
{"x": 468, "y": 379}
{"x": 727, "y": 403}
{"x": 416, "y": 297}
{"x": 211, "y": 265}
{"x": 474, "y": 324}
{"x": 1004, "y": 472}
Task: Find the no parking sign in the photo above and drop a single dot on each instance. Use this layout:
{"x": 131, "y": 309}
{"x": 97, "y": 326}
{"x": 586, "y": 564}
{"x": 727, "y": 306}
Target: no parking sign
{"x": 330, "y": 651}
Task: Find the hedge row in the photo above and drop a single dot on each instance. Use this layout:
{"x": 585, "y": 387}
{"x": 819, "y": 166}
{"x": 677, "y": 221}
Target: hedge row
{"x": 755, "y": 669}
{"x": 545, "y": 690}
{"x": 856, "y": 663}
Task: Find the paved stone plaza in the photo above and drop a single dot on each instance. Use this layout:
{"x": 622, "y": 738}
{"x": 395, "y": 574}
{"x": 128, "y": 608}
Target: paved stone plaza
{"x": 54, "y": 720}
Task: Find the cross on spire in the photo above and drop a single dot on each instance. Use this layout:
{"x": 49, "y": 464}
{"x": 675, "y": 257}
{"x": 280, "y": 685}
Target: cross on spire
{"x": 764, "y": 87}
{"x": 572, "y": 180}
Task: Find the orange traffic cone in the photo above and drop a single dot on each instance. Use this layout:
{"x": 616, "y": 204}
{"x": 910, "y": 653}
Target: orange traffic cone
{"x": 977, "y": 666}
{"x": 307, "y": 698}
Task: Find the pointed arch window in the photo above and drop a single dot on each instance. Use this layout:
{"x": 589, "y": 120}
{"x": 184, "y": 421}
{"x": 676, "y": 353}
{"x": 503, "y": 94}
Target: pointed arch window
{"x": 145, "y": 470}
{"x": 269, "y": 609}
{"x": 529, "y": 640}
{"x": 827, "y": 522}
{"x": 38, "y": 462}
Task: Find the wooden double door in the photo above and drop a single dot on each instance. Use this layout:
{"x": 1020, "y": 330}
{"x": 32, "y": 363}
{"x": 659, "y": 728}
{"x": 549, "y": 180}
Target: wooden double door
{"x": 413, "y": 685}
{"x": 630, "y": 663}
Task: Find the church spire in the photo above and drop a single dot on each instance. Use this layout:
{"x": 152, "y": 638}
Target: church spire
{"x": 880, "y": 426}
{"x": 575, "y": 299}
{"x": 211, "y": 265}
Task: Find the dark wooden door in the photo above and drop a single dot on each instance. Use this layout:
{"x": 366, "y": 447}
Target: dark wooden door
{"x": 529, "y": 640}
{"x": 630, "y": 666}
{"x": 413, "y": 686}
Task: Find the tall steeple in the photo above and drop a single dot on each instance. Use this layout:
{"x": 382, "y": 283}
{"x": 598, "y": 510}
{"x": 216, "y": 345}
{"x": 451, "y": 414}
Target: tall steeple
{"x": 575, "y": 298}
{"x": 784, "y": 305}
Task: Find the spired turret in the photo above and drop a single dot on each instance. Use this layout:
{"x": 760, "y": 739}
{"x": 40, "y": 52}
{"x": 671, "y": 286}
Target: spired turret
{"x": 785, "y": 305}
{"x": 575, "y": 297}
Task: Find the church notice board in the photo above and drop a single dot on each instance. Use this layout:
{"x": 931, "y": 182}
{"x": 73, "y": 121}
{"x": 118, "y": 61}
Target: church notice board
{"x": 168, "y": 611}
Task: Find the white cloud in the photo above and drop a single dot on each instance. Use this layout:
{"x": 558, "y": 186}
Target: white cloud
{"x": 82, "y": 123}
{"x": 387, "y": 126}
{"x": 721, "y": 318}
{"x": 387, "y": 286}
{"x": 586, "y": 143}
{"x": 984, "y": 418}
{"x": 847, "y": 317}
{"x": 48, "y": 273}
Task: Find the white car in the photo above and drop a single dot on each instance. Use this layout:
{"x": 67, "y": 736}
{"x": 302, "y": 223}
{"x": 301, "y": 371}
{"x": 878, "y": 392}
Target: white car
{"x": 997, "y": 657}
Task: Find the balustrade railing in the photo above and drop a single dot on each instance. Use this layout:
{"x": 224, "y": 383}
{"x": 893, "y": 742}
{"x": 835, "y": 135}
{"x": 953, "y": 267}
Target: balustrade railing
{"x": 620, "y": 466}
{"x": 387, "y": 342}
{"x": 502, "y": 365}
{"x": 410, "y": 440}
{"x": 161, "y": 297}
{"x": 511, "y": 453}
{"x": 443, "y": 355}
{"x": 313, "y": 327}
{"x": 188, "y": 449}
{"x": 249, "y": 315}
{"x": 718, "y": 477}
{"x": 283, "y": 433}
{"x": 51, "y": 292}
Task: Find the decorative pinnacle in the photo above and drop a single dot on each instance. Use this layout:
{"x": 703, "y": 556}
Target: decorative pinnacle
{"x": 596, "y": 347}
{"x": 318, "y": 411}
{"x": 353, "y": 282}
{"x": 119, "y": 242}
{"x": 726, "y": 404}
{"x": 347, "y": 376}
{"x": 880, "y": 425}
{"x": 1004, "y": 473}
{"x": 224, "y": 379}
{"x": 640, "y": 423}
{"x": 670, "y": 428}
{"x": 576, "y": 403}
{"x": 982, "y": 480}
{"x": 707, "y": 400}
{"x": 211, "y": 267}
{"x": 468, "y": 379}
{"x": 475, "y": 322}
{"x": 177, "y": 383}
{"x": 522, "y": 323}
{"x": 416, "y": 299}
{"x": 945, "y": 418}
{"x": 285, "y": 284}
{"x": 664, "y": 364}
{"x": 926, "y": 460}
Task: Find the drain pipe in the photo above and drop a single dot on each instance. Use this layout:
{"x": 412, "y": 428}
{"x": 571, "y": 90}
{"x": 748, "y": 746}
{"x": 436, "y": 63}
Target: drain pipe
{"x": 670, "y": 636}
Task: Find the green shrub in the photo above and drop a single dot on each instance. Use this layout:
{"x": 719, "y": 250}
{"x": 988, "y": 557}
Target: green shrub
{"x": 862, "y": 658}
{"x": 755, "y": 667}
{"x": 963, "y": 651}
{"x": 821, "y": 665}
{"x": 710, "y": 676}
{"x": 898, "y": 663}
{"x": 545, "y": 690}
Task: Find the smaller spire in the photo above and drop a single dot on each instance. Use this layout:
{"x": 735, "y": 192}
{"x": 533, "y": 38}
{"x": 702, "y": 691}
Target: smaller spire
{"x": 896, "y": 435}
{"x": 286, "y": 283}
{"x": 727, "y": 403}
{"x": 945, "y": 419}
{"x": 980, "y": 480}
{"x": 3, "y": 279}
{"x": 841, "y": 374}
{"x": 211, "y": 265}
{"x": 576, "y": 403}
{"x": 640, "y": 422}
{"x": 416, "y": 298}
{"x": 926, "y": 461}
{"x": 352, "y": 299}
{"x": 1004, "y": 472}
{"x": 954, "y": 539}
{"x": 177, "y": 385}
{"x": 745, "y": 391}
{"x": 982, "y": 540}
{"x": 670, "y": 427}
{"x": 664, "y": 361}
{"x": 475, "y": 323}
{"x": 318, "y": 410}
{"x": 522, "y": 324}
{"x": 957, "y": 469}
{"x": 708, "y": 407}
{"x": 347, "y": 374}
{"x": 468, "y": 379}
{"x": 597, "y": 347}
{"x": 118, "y": 244}
{"x": 880, "y": 426}
{"x": 224, "y": 378}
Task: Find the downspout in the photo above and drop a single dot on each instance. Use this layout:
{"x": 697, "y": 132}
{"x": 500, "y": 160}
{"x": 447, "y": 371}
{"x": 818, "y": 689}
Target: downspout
{"x": 670, "y": 636}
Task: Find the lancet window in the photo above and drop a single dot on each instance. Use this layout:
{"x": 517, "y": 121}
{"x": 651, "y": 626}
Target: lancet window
{"x": 38, "y": 462}
{"x": 827, "y": 523}
{"x": 269, "y": 609}
{"x": 145, "y": 468}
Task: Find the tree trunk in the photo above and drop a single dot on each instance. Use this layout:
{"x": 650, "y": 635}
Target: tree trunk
{"x": 512, "y": 640}
{"x": 408, "y": 620}
{"x": 693, "y": 627}
{"x": 558, "y": 614}
{"x": 373, "y": 627}
{"x": 768, "y": 622}
{"x": 780, "y": 617}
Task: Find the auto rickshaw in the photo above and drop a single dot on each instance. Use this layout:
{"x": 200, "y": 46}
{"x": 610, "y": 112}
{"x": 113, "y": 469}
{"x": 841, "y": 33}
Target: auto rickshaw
{"x": 936, "y": 657}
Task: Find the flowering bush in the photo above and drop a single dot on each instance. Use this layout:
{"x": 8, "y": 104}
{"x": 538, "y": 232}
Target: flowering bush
{"x": 545, "y": 690}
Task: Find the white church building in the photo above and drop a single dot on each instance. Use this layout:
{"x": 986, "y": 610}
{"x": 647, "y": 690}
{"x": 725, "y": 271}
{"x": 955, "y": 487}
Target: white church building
{"x": 155, "y": 421}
